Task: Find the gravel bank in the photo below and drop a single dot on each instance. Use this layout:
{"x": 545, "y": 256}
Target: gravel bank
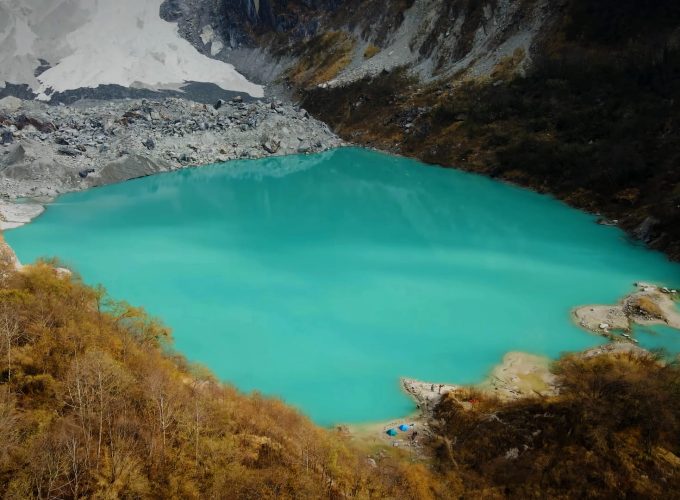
{"x": 48, "y": 150}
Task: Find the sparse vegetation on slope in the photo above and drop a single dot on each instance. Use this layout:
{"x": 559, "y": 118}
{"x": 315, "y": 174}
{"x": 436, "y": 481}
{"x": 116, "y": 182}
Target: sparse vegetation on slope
{"x": 322, "y": 58}
{"x": 595, "y": 121}
{"x": 93, "y": 404}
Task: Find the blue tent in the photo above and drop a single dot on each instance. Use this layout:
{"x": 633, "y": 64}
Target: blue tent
{"x": 404, "y": 427}
{"x": 391, "y": 432}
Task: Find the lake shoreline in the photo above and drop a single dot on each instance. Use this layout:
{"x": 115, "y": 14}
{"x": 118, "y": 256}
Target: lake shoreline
{"x": 48, "y": 150}
{"x": 521, "y": 374}
{"x": 502, "y": 385}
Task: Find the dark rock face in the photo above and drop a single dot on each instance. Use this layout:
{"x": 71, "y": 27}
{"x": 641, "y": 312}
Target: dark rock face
{"x": 240, "y": 21}
{"x": 173, "y": 10}
{"x": 202, "y": 92}
{"x": 68, "y": 151}
{"x": 6, "y": 136}
{"x": 84, "y": 173}
{"x": 645, "y": 231}
{"x": 38, "y": 120}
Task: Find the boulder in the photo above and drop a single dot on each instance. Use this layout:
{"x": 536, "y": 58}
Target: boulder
{"x": 10, "y": 104}
{"x": 219, "y": 104}
{"x": 6, "y": 136}
{"x": 68, "y": 151}
{"x": 38, "y": 120}
{"x": 128, "y": 167}
{"x": 645, "y": 231}
{"x": 149, "y": 144}
{"x": 15, "y": 155}
{"x": 271, "y": 146}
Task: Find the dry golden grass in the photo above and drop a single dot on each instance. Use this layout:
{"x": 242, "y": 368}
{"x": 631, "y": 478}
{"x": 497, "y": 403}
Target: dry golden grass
{"x": 323, "y": 59}
{"x": 371, "y": 51}
{"x": 94, "y": 404}
{"x": 508, "y": 67}
{"x": 648, "y": 307}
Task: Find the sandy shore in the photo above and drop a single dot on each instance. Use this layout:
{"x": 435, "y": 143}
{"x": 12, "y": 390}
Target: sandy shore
{"x": 17, "y": 214}
{"x": 518, "y": 375}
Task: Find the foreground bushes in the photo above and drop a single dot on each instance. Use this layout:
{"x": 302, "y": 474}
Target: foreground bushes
{"x": 92, "y": 404}
{"x": 614, "y": 431}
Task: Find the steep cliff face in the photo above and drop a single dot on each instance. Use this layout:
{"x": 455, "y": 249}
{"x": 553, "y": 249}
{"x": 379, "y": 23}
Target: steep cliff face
{"x": 434, "y": 38}
{"x": 573, "y": 97}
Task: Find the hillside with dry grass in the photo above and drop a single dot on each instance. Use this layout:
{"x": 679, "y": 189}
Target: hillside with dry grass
{"x": 95, "y": 403}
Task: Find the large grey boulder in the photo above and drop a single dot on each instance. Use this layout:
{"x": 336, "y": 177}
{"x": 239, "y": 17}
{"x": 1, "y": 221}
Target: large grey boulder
{"x": 10, "y": 104}
{"x": 6, "y": 136}
{"x": 128, "y": 167}
{"x": 14, "y": 156}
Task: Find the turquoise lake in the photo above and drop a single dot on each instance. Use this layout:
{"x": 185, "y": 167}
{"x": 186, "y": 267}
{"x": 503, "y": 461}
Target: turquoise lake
{"x": 322, "y": 279}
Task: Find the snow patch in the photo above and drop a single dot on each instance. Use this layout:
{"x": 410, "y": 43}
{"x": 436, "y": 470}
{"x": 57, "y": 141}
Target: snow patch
{"x": 123, "y": 42}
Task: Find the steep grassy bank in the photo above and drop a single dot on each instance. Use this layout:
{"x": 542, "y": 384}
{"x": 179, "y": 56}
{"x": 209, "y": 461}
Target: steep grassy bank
{"x": 595, "y": 121}
{"x": 94, "y": 404}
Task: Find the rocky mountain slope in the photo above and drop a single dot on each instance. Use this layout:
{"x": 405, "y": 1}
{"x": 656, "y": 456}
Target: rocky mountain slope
{"x": 434, "y": 38}
{"x": 572, "y": 97}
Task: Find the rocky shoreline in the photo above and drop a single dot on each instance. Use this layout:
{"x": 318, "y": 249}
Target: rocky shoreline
{"x": 49, "y": 150}
{"x": 518, "y": 375}
{"x": 521, "y": 375}
{"x": 648, "y": 305}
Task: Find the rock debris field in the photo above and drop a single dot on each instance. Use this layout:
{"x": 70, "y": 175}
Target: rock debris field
{"x": 48, "y": 150}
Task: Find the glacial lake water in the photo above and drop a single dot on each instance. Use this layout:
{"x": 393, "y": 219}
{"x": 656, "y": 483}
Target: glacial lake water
{"x": 322, "y": 279}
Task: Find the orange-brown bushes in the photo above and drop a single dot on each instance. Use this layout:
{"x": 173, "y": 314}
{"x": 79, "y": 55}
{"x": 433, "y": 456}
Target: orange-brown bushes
{"x": 93, "y": 403}
{"x": 614, "y": 427}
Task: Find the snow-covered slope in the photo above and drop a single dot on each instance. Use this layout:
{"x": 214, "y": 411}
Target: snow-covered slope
{"x": 95, "y": 42}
